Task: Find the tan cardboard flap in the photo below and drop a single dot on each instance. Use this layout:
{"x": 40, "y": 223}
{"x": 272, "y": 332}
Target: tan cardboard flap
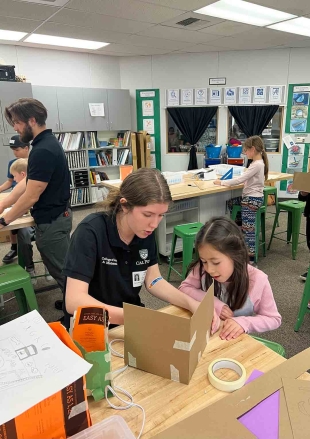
{"x": 297, "y": 395}
{"x": 285, "y": 429}
{"x": 301, "y": 181}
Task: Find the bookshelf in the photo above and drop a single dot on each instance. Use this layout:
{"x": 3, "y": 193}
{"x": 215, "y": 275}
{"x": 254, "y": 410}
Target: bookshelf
{"x": 88, "y": 161}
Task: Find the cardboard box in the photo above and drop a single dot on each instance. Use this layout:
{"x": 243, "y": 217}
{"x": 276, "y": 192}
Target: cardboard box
{"x": 133, "y": 139}
{"x": 140, "y": 150}
{"x": 148, "y": 151}
{"x": 301, "y": 181}
{"x": 5, "y": 236}
{"x": 167, "y": 342}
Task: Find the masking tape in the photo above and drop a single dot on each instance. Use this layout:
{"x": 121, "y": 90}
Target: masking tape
{"x": 175, "y": 374}
{"x": 77, "y": 409}
{"x": 226, "y": 363}
{"x": 132, "y": 361}
{"x": 184, "y": 345}
{"x": 107, "y": 357}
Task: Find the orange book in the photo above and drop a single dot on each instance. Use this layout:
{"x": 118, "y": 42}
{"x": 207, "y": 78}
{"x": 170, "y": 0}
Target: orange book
{"x": 90, "y": 328}
{"x": 125, "y": 170}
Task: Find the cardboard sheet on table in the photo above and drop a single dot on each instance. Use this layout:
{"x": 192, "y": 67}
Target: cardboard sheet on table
{"x": 297, "y": 397}
{"x": 301, "y": 181}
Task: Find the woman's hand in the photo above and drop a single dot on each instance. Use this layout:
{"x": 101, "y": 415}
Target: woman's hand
{"x": 231, "y": 329}
{"x": 215, "y": 323}
{"x": 217, "y": 182}
{"x": 226, "y": 313}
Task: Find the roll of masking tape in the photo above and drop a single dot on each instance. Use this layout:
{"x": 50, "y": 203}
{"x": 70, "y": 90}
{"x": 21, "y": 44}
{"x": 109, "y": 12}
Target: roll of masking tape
{"x": 226, "y": 363}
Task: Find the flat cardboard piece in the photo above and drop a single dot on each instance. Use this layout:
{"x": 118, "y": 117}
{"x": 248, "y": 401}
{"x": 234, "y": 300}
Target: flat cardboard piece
{"x": 168, "y": 343}
{"x": 301, "y": 181}
{"x": 140, "y": 150}
{"x": 134, "y": 151}
{"x": 147, "y": 151}
{"x": 297, "y": 396}
{"x": 285, "y": 429}
{"x": 208, "y": 423}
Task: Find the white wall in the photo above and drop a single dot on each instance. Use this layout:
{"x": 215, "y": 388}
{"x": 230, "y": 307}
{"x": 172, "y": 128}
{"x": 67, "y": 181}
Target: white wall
{"x": 257, "y": 67}
{"x": 62, "y": 68}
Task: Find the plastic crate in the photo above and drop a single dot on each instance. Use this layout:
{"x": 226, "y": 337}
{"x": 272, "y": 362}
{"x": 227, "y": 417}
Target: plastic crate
{"x": 234, "y": 151}
{"x": 111, "y": 428}
{"x": 213, "y": 152}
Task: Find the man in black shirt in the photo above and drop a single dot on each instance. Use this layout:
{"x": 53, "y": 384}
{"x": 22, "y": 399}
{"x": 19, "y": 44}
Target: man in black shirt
{"x": 47, "y": 188}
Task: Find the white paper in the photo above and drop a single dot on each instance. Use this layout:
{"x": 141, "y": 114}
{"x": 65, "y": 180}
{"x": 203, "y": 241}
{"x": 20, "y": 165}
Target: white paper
{"x": 245, "y": 95}
{"x": 215, "y": 96}
{"x": 288, "y": 141}
{"x": 147, "y": 108}
{"x": 96, "y": 109}
{"x": 230, "y": 95}
{"x": 153, "y": 161}
{"x": 300, "y": 88}
{"x": 34, "y": 364}
{"x": 187, "y": 97}
{"x": 152, "y": 143}
{"x": 275, "y": 94}
{"x": 173, "y": 97}
{"x": 259, "y": 95}
{"x": 201, "y": 96}
{"x": 148, "y": 125}
{"x": 147, "y": 94}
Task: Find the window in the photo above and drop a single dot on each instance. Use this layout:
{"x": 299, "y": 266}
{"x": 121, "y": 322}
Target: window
{"x": 271, "y": 134}
{"x": 176, "y": 141}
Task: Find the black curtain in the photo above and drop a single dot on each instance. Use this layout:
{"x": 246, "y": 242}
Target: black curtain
{"x": 192, "y": 122}
{"x": 252, "y": 120}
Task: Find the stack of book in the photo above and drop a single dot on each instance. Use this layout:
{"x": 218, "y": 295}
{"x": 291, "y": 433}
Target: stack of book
{"x": 77, "y": 159}
{"x": 80, "y": 196}
{"x": 71, "y": 141}
{"x": 97, "y": 177}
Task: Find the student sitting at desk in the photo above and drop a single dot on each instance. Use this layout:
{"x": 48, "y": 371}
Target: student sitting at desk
{"x": 113, "y": 253}
{"x": 243, "y": 296}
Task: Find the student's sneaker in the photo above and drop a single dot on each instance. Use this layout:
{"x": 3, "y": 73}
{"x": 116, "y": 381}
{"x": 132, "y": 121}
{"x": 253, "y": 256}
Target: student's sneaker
{"x": 10, "y": 256}
{"x": 48, "y": 277}
{"x": 34, "y": 280}
{"x": 304, "y": 276}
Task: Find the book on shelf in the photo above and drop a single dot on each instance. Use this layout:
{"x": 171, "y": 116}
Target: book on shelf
{"x": 77, "y": 159}
{"x": 91, "y": 140}
{"x": 71, "y": 141}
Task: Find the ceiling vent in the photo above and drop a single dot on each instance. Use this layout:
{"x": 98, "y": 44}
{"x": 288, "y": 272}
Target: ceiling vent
{"x": 188, "y": 21}
{"x": 192, "y": 23}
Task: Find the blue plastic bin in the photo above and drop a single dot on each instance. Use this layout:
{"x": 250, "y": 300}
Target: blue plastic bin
{"x": 234, "y": 151}
{"x": 213, "y": 152}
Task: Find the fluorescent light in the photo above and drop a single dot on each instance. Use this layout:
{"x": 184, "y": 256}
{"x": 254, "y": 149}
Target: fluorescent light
{"x": 65, "y": 42}
{"x": 300, "y": 26}
{"x": 11, "y": 35}
{"x": 244, "y": 12}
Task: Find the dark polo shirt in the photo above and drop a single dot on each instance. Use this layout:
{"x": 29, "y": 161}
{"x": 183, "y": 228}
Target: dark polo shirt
{"x": 47, "y": 163}
{"x": 114, "y": 270}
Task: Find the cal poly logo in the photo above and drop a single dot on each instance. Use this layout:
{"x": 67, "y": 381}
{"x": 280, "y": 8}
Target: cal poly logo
{"x": 143, "y": 253}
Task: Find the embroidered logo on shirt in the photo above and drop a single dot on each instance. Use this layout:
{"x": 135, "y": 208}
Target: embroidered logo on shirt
{"x": 143, "y": 253}
{"x": 108, "y": 261}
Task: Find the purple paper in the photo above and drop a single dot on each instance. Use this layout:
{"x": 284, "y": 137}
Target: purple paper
{"x": 263, "y": 419}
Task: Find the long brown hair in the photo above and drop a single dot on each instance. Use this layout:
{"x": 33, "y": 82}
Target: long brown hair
{"x": 225, "y": 236}
{"x": 259, "y": 146}
{"x": 140, "y": 188}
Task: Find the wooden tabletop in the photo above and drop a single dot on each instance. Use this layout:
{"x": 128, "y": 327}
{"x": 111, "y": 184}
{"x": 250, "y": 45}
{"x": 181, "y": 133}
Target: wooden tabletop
{"x": 19, "y": 223}
{"x": 167, "y": 402}
{"x": 194, "y": 188}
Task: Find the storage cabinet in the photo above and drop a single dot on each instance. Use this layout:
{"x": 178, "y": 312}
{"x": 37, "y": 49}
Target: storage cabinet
{"x": 9, "y": 93}
{"x": 48, "y": 97}
{"x": 119, "y": 110}
{"x": 95, "y": 96}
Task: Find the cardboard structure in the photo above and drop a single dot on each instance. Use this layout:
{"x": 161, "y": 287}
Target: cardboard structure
{"x": 167, "y": 342}
{"x": 220, "y": 420}
{"x": 301, "y": 181}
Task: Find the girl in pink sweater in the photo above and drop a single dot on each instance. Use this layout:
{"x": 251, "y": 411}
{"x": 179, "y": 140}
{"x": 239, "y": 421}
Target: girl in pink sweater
{"x": 253, "y": 191}
{"x": 243, "y": 296}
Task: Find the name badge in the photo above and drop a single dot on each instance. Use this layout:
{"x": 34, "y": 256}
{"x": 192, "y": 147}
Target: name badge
{"x": 138, "y": 278}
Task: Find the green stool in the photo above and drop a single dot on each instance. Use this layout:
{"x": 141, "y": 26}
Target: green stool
{"x": 260, "y": 226}
{"x": 295, "y": 210}
{"x": 15, "y": 278}
{"x": 276, "y": 347}
{"x": 303, "y": 309}
{"x": 270, "y": 190}
{"x": 187, "y": 232}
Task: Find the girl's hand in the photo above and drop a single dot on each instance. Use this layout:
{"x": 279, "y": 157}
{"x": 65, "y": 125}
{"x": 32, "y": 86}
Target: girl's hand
{"x": 231, "y": 329}
{"x": 217, "y": 182}
{"x": 226, "y": 313}
{"x": 215, "y": 323}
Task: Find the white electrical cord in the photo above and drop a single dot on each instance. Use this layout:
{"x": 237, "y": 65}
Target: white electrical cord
{"x": 113, "y": 388}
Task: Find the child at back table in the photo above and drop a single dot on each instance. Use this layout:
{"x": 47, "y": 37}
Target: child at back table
{"x": 243, "y": 296}
{"x": 253, "y": 191}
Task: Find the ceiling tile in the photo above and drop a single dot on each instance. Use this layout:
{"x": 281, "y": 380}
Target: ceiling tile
{"x": 18, "y": 24}
{"x": 84, "y": 33}
{"x": 201, "y": 48}
{"x": 296, "y": 44}
{"x": 132, "y": 10}
{"x": 227, "y": 28}
{"x": 158, "y": 43}
{"x": 10, "y": 8}
{"x": 129, "y": 49}
{"x": 181, "y": 4}
{"x": 296, "y": 7}
{"x": 171, "y": 33}
{"x": 108, "y": 23}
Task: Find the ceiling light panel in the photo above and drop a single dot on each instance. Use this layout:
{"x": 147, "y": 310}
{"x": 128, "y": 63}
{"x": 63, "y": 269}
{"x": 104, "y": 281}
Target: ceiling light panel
{"x": 299, "y": 26}
{"x": 244, "y": 12}
{"x": 10, "y": 35}
{"x": 64, "y": 42}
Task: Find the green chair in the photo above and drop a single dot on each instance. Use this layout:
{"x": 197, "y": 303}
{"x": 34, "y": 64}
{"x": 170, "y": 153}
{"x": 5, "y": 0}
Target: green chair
{"x": 303, "y": 309}
{"x": 270, "y": 190}
{"x": 15, "y": 278}
{"x": 295, "y": 210}
{"x": 187, "y": 232}
{"x": 260, "y": 226}
{"x": 276, "y": 347}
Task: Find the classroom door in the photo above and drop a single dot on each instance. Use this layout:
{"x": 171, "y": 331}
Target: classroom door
{"x": 48, "y": 96}
{"x": 119, "y": 110}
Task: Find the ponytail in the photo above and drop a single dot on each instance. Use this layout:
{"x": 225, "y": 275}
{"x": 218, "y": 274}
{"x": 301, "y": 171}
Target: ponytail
{"x": 266, "y": 163}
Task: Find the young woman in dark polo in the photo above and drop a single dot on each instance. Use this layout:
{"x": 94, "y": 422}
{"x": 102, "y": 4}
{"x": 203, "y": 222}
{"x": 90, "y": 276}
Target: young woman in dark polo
{"x": 112, "y": 254}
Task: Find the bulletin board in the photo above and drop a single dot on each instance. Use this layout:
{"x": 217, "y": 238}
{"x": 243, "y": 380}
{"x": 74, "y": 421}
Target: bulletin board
{"x": 148, "y": 119}
{"x": 297, "y": 125}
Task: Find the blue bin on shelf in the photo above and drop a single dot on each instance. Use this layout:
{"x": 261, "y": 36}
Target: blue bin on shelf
{"x": 234, "y": 151}
{"x": 213, "y": 152}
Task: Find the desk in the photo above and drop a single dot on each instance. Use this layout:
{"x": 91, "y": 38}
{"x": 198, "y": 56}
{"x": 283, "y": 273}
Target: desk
{"x": 19, "y": 223}
{"x": 166, "y": 402}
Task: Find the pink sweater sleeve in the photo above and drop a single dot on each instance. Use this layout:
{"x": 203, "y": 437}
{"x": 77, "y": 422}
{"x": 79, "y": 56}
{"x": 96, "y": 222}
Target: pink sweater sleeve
{"x": 266, "y": 315}
{"x": 192, "y": 287}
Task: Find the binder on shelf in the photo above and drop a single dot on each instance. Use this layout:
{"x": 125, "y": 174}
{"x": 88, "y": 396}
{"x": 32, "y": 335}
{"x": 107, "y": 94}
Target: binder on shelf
{"x": 114, "y": 157}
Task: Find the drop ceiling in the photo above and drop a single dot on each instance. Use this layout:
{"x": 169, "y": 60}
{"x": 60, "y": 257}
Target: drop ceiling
{"x": 146, "y": 27}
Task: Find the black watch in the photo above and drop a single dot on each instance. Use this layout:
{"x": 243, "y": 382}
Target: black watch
{"x": 2, "y": 221}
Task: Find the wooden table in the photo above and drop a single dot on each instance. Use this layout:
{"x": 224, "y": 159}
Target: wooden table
{"x": 19, "y": 223}
{"x": 166, "y": 402}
